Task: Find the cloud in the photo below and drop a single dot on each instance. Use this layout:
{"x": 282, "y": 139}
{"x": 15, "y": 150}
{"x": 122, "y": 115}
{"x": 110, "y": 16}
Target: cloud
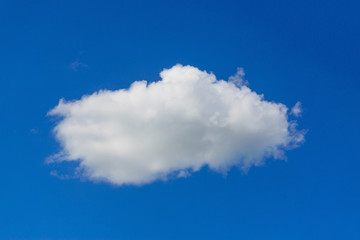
{"x": 34, "y": 131}
{"x": 76, "y": 65}
{"x": 296, "y": 110}
{"x": 238, "y": 78}
{"x": 171, "y": 128}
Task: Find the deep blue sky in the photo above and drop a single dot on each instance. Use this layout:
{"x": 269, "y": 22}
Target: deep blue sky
{"x": 291, "y": 51}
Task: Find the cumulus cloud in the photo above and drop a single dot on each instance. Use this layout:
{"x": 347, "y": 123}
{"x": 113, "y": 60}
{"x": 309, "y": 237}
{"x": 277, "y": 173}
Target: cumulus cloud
{"x": 171, "y": 128}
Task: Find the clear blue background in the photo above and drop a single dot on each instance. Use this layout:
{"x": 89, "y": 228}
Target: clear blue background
{"x": 302, "y": 50}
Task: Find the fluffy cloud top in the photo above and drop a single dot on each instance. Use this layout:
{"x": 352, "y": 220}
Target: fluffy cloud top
{"x": 171, "y": 128}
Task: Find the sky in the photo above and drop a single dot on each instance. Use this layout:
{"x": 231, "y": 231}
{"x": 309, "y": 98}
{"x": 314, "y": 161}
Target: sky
{"x": 179, "y": 120}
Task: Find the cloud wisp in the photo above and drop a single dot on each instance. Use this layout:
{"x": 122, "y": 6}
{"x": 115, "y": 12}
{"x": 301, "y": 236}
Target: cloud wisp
{"x": 296, "y": 110}
{"x": 76, "y": 65}
{"x": 171, "y": 128}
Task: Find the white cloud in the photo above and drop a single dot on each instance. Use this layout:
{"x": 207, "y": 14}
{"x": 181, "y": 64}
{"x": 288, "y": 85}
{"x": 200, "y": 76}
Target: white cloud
{"x": 296, "y": 110}
{"x": 238, "y": 78}
{"x": 171, "y": 128}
